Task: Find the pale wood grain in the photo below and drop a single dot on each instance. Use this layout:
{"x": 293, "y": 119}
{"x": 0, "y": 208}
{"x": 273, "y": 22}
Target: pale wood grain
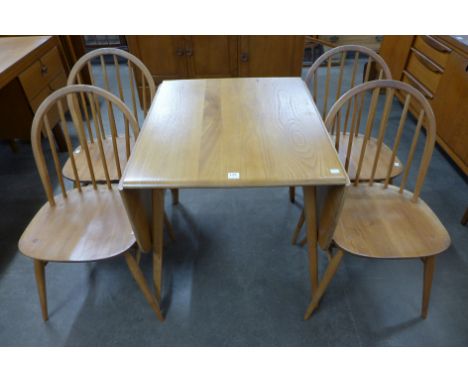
{"x": 384, "y": 223}
{"x": 86, "y": 226}
{"x": 108, "y": 149}
{"x": 39, "y": 272}
{"x": 266, "y": 129}
{"x": 383, "y": 161}
{"x": 13, "y": 51}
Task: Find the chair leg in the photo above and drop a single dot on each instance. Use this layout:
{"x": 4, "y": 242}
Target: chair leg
{"x": 140, "y": 279}
{"x": 41, "y": 286}
{"x": 175, "y": 196}
{"x": 292, "y": 194}
{"x": 429, "y": 265}
{"x": 465, "y": 217}
{"x": 138, "y": 256}
{"x": 327, "y": 277}
{"x": 297, "y": 230}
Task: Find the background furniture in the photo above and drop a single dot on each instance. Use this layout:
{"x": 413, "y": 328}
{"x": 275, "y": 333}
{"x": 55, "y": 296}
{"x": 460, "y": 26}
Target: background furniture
{"x": 369, "y": 41}
{"x": 177, "y": 57}
{"x": 381, "y": 220}
{"x": 234, "y": 132}
{"x": 31, "y": 68}
{"x": 85, "y": 223}
{"x": 437, "y": 66}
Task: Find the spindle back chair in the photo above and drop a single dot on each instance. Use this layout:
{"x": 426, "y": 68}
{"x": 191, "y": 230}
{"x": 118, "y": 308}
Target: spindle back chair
{"x": 81, "y": 222}
{"x": 358, "y": 52}
{"x": 353, "y": 54}
{"x": 387, "y": 90}
{"x": 142, "y": 88}
{"x": 93, "y": 114}
{"x": 140, "y": 81}
{"x": 384, "y": 220}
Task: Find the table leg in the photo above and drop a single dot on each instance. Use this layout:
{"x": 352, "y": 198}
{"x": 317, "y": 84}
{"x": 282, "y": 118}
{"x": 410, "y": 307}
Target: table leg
{"x": 136, "y": 211}
{"x": 311, "y": 232}
{"x": 158, "y": 224}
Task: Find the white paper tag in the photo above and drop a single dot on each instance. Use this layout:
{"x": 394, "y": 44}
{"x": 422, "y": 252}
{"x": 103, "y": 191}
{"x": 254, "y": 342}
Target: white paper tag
{"x": 233, "y": 175}
{"x": 396, "y": 164}
{"x": 334, "y": 171}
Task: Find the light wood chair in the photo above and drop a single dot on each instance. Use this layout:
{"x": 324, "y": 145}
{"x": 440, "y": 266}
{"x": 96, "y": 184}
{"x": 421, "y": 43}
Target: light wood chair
{"x": 349, "y": 58}
{"x": 381, "y": 220}
{"x": 84, "y": 223}
{"x": 142, "y": 90}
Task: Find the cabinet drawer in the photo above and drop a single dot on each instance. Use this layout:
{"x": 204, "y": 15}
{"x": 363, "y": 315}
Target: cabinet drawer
{"x": 40, "y": 73}
{"x": 37, "y": 100}
{"x": 437, "y": 52}
{"x": 421, "y": 70}
{"x": 410, "y": 79}
{"x": 56, "y": 83}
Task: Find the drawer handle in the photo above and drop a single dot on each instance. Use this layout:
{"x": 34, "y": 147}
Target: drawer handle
{"x": 436, "y": 44}
{"x": 432, "y": 66}
{"x": 244, "y": 57}
{"x": 44, "y": 70}
{"x": 189, "y": 52}
{"x": 180, "y": 52}
{"x": 418, "y": 85}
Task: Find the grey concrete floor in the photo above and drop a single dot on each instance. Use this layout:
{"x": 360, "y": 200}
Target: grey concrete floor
{"x": 232, "y": 277}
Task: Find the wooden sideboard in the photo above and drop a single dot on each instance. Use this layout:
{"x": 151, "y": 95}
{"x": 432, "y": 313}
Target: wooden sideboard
{"x": 31, "y": 68}
{"x": 438, "y": 67}
{"x": 175, "y": 57}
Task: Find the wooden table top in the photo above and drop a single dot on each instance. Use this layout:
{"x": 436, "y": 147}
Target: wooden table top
{"x": 13, "y": 50}
{"x": 234, "y": 132}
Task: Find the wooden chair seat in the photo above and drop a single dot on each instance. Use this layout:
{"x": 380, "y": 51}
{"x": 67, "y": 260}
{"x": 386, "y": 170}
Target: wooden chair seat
{"x": 87, "y": 226}
{"x": 82, "y": 165}
{"x": 379, "y": 220}
{"x": 383, "y": 223}
{"x": 385, "y": 157}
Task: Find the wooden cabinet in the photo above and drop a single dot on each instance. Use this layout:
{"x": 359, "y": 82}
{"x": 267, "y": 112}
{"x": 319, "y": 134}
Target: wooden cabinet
{"x": 163, "y": 55}
{"x": 211, "y": 56}
{"x": 270, "y": 56}
{"x": 31, "y": 68}
{"x": 438, "y": 67}
{"x": 171, "y": 57}
{"x": 450, "y": 105}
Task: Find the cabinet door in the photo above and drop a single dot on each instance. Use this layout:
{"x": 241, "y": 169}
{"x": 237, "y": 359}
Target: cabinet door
{"x": 163, "y": 55}
{"x": 270, "y": 56}
{"x": 451, "y": 110}
{"x": 211, "y": 56}
{"x": 395, "y": 51}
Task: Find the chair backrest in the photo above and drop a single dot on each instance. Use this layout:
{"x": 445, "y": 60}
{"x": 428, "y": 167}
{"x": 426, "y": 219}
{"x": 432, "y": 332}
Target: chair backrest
{"x": 387, "y": 89}
{"x": 141, "y": 83}
{"x": 57, "y": 104}
{"x": 344, "y": 54}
